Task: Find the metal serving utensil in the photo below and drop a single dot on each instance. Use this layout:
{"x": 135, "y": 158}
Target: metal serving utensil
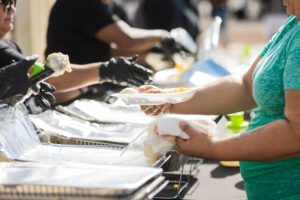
{"x": 133, "y": 141}
{"x": 137, "y": 137}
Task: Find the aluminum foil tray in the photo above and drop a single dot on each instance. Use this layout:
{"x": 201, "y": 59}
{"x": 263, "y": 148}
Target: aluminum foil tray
{"x": 19, "y": 141}
{"x": 96, "y": 111}
{"x": 40, "y": 181}
{"x": 57, "y": 124}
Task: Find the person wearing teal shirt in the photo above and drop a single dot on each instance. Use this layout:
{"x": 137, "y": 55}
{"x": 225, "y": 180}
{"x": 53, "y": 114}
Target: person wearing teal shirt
{"x": 269, "y": 150}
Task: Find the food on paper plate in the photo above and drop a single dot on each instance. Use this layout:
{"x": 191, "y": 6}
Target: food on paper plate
{"x": 166, "y": 91}
{"x": 156, "y": 96}
{"x": 59, "y": 63}
{"x": 155, "y": 91}
{"x": 164, "y": 130}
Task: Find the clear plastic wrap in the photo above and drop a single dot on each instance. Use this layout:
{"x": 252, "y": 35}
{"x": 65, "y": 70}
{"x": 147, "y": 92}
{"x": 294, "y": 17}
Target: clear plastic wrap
{"x": 58, "y": 124}
{"x": 92, "y": 110}
{"x": 17, "y": 134}
{"x": 19, "y": 141}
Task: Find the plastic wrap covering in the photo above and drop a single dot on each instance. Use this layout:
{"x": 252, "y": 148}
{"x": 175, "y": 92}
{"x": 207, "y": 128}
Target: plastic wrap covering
{"x": 17, "y": 134}
{"x": 109, "y": 181}
{"x": 19, "y": 141}
{"x": 96, "y": 111}
{"x": 58, "y": 124}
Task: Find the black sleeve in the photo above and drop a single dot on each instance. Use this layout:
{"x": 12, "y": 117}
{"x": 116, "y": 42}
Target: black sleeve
{"x": 93, "y": 16}
{"x": 9, "y": 52}
{"x": 120, "y": 13}
{"x": 159, "y": 14}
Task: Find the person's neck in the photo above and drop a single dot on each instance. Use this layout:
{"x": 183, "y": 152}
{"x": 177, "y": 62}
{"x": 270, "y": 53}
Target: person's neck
{"x": 3, "y": 36}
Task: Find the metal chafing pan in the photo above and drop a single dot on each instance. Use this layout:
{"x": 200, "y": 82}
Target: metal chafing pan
{"x": 99, "y": 112}
{"x": 168, "y": 162}
{"x": 58, "y": 124}
{"x": 19, "y": 141}
{"x": 75, "y": 131}
{"x": 43, "y": 182}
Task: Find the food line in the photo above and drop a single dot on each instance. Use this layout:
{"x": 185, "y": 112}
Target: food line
{"x": 110, "y": 138}
{"x": 77, "y": 135}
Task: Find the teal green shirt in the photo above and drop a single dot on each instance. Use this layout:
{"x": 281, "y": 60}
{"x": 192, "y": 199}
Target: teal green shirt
{"x": 278, "y": 70}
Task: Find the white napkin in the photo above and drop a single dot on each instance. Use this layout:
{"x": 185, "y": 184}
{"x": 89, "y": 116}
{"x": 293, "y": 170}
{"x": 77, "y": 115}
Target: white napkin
{"x": 163, "y": 131}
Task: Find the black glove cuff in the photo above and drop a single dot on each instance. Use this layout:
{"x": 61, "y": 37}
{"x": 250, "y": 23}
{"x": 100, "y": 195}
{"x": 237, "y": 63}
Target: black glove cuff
{"x": 108, "y": 72}
{"x": 104, "y": 72}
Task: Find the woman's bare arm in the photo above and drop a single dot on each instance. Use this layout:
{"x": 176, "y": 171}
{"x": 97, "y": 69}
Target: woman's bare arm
{"x": 227, "y": 95}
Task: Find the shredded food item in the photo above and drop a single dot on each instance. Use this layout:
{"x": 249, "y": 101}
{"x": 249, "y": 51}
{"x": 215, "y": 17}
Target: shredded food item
{"x": 162, "y": 91}
{"x": 59, "y": 63}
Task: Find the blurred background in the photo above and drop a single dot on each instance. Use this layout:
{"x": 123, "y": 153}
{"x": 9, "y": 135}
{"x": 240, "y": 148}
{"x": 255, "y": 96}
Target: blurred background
{"x": 249, "y": 23}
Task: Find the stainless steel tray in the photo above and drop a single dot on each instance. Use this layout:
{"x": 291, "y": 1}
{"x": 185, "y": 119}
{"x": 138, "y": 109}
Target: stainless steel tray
{"x": 37, "y": 181}
{"x": 58, "y": 124}
{"x": 53, "y": 139}
{"x": 168, "y": 162}
{"x": 19, "y": 141}
{"x": 95, "y": 111}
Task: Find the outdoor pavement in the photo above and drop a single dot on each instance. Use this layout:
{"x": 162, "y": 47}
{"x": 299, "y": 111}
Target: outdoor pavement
{"x": 216, "y": 182}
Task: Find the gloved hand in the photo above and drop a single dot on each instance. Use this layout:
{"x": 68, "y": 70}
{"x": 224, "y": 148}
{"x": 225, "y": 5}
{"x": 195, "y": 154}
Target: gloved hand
{"x": 170, "y": 47}
{"x": 41, "y": 98}
{"x": 14, "y": 79}
{"x": 163, "y": 55}
{"x": 158, "y": 59}
{"x": 125, "y": 72}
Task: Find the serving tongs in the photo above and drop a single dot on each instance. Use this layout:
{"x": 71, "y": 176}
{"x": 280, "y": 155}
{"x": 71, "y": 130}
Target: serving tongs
{"x": 134, "y": 140}
{"x": 137, "y": 137}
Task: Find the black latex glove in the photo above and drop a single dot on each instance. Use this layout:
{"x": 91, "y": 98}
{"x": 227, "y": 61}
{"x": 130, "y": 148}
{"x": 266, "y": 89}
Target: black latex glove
{"x": 125, "y": 72}
{"x": 167, "y": 48}
{"x": 14, "y": 79}
{"x": 170, "y": 47}
{"x": 41, "y": 99}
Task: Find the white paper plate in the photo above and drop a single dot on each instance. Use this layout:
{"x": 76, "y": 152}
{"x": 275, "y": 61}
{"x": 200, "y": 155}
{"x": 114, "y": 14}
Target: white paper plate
{"x": 157, "y": 98}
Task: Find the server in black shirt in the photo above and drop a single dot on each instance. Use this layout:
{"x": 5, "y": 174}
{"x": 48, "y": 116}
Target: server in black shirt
{"x": 88, "y": 31}
{"x": 81, "y": 76}
{"x": 14, "y": 82}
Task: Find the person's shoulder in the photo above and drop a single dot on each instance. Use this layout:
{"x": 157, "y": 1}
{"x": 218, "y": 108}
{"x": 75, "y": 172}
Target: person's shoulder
{"x": 291, "y": 18}
{"x": 9, "y": 47}
{"x": 294, "y": 39}
{"x": 4, "y": 44}
{"x": 68, "y": 4}
{"x": 296, "y": 34}
{"x": 295, "y": 25}
{"x": 289, "y": 25}
{"x": 291, "y": 22}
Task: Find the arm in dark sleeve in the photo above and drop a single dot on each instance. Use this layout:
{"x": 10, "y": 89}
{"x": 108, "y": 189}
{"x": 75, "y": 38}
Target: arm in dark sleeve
{"x": 9, "y": 52}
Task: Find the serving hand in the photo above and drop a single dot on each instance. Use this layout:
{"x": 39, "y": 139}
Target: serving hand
{"x": 154, "y": 109}
{"x": 199, "y": 144}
